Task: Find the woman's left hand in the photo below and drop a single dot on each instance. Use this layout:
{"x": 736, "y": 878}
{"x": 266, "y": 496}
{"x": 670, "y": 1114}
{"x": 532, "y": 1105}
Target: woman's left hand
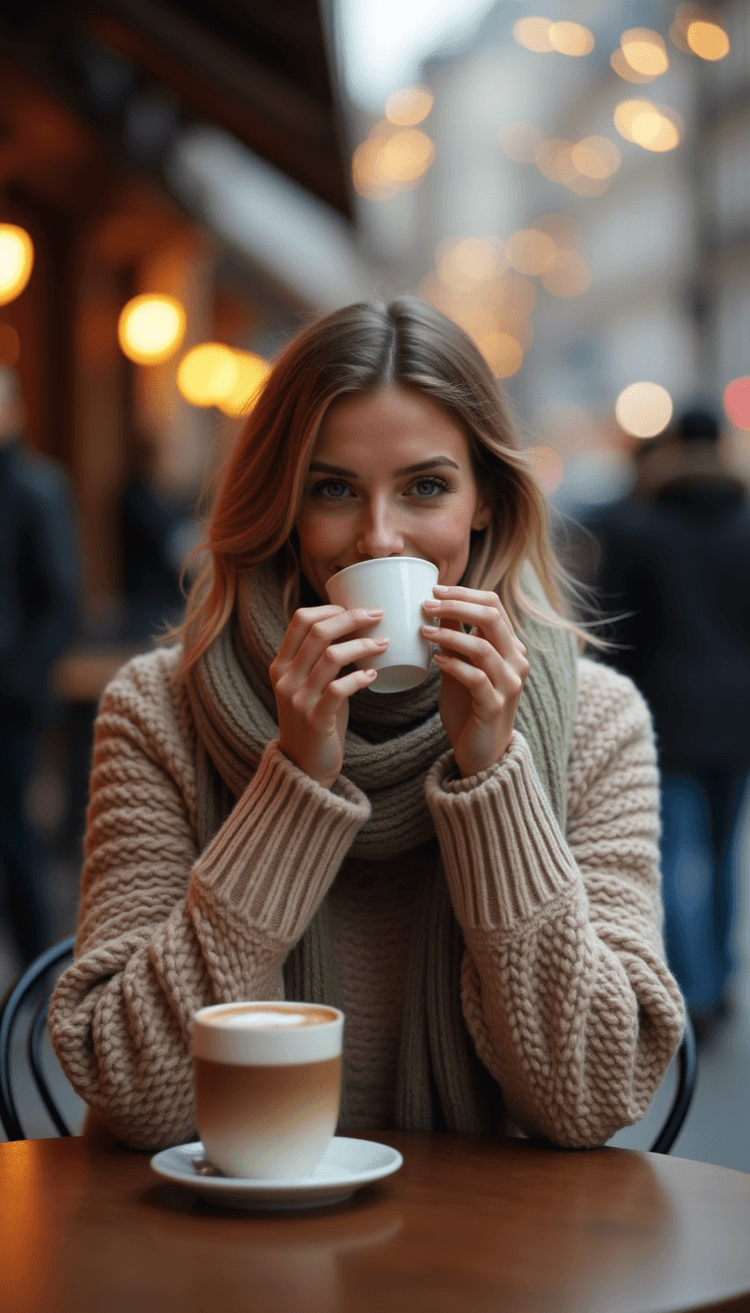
{"x": 484, "y": 672}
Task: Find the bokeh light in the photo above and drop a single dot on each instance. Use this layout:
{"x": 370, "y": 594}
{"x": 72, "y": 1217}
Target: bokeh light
{"x": 685, "y": 14}
{"x": 531, "y": 251}
{"x": 554, "y": 162}
{"x": 624, "y": 70}
{"x": 737, "y": 403}
{"x": 569, "y": 276}
{"x": 406, "y": 156}
{"x": 16, "y": 261}
{"x": 252, "y": 371}
{"x": 390, "y": 159}
{"x": 208, "y": 374}
{"x": 534, "y": 34}
{"x": 645, "y": 51}
{"x": 707, "y": 40}
{"x": 151, "y": 328}
{"x": 10, "y": 345}
{"x": 409, "y": 106}
{"x": 548, "y": 466}
{"x": 502, "y": 351}
{"x": 466, "y": 263}
{"x": 596, "y": 157}
{"x": 654, "y": 127}
{"x": 571, "y": 39}
{"x": 643, "y": 409}
{"x": 520, "y": 141}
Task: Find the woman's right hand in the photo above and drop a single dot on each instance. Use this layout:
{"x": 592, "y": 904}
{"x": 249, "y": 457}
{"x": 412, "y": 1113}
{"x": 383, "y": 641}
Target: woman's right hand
{"x": 311, "y": 700}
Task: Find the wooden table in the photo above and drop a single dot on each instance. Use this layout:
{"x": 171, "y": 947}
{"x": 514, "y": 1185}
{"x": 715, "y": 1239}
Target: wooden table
{"x": 466, "y": 1226}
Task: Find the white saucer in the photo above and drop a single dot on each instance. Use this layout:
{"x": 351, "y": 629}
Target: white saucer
{"x": 346, "y": 1166}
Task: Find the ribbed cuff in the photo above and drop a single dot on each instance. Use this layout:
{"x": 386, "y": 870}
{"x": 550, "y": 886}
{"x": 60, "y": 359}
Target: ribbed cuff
{"x": 280, "y": 849}
{"x": 505, "y": 857}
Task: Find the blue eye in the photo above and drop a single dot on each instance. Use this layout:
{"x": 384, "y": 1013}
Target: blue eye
{"x": 429, "y": 487}
{"x": 333, "y": 489}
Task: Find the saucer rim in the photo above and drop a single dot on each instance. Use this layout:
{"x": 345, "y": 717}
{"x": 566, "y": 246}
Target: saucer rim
{"x": 280, "y": 1186}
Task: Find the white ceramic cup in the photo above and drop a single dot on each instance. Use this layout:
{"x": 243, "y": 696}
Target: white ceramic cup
{"x": 400, "y": 585}
{"x": 267, "y": 1085}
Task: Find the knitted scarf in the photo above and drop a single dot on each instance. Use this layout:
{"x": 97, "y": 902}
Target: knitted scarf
{"x": 391, "y": 743}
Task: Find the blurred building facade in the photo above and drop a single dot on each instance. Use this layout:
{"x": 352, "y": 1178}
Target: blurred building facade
{"x": 651, "y": 275}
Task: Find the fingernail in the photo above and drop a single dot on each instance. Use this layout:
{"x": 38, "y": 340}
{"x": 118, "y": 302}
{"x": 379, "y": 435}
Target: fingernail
{"x": 382, "y": 642}
{"x": 440, "y": 588}
{"x": 377, "y": 611}
{"x": 430, "y": 605}
{"x": 430, "y": 629}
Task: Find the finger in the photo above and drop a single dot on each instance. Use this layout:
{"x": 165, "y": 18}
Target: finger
{"x": 470, "y": 647}
{"x": 312, "y": 630}
{"x": 489, "y": 620}
{"x": 484, "y": 696}
{"x": 338, "y": 655}
{"x": 324, "y": 708}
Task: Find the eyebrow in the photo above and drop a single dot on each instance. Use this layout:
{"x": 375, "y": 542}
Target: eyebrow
{"x": 320, "y": 467}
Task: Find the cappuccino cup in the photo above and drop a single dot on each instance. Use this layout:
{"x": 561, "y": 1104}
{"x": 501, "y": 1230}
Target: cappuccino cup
{"x": 400, "y": 585}
{"x": 267, "y": 1085}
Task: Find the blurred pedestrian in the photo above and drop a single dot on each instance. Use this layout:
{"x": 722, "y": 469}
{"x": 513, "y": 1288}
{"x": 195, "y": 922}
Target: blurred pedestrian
{"x": 674, "y": 562}
{"x": 38, "y": 615}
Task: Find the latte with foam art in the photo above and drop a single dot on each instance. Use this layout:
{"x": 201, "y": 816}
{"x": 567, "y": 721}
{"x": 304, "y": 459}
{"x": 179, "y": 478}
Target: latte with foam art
{"x": 267, "y": 1085}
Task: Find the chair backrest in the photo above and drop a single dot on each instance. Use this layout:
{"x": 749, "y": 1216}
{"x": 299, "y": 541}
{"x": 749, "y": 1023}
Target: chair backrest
{"x": 30, "y": 994}
{"x": 40, "y": 973}
{"x": 687, "y": 1069}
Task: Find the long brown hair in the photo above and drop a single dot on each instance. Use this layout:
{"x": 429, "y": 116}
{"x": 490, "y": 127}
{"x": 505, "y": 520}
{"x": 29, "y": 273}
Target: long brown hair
{"x": 359, "y": 349}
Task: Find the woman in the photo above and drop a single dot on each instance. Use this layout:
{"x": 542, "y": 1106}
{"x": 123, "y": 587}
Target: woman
{"x": 469, "y": 868}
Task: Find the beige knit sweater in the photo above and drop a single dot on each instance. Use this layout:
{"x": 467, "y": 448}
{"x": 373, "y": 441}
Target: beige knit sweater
{"x": 565, "y": 990}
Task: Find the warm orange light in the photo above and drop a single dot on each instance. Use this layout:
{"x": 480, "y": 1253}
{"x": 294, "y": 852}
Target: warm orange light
{"x": 251, "y": 373}
{"x": 390, "y": 160}
{"x": 571, "y": 39}
{"x": 645, "y": 51}
{"x": 534, "y": 34}
{"x": 654, "y": 127}
{"x": 367, "y": 176}
{"x": 596, "y": 157}
{"x": 707, "y": 40}
{"x": 553, "y": 160}
{"x": 548, "y": 465}
{"x": 208, "y": 374}
{"x": 623, "y": 69}
{"x": 409, "y": 106}
{"x": 520, "y": 141}
{"x": 16, "y": 261}
{"x": 737, "y": 403}
{"x": 531, "y": 251}
{"x": 686, "y": 14}
{"x": 151, "y": 328}
{"x": 406, "y": 156}
{"x": 465, "y": 264}
{"x": 569, "y": 275}
{"x": 643, "y": 409}
{"x": 503, "y": 353}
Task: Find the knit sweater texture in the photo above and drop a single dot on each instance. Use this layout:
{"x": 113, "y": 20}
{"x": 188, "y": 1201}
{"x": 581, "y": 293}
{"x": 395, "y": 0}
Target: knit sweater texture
{"x": 564, "y": 987}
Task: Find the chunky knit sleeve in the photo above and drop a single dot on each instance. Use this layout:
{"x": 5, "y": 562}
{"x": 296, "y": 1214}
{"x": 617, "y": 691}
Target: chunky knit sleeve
{"x": 165, "y": 929}
{"x": 565, "y": 988}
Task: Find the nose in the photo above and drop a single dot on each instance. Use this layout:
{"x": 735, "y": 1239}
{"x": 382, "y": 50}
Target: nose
{"x": 379, "y": 532}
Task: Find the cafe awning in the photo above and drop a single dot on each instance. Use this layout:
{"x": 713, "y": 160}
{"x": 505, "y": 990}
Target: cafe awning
{"x": 257, "y": 68}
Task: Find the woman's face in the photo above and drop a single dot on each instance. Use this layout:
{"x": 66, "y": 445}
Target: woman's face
{"x": 390, "y": 475}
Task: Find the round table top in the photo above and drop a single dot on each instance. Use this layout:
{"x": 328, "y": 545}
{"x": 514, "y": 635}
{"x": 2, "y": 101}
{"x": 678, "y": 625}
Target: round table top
{"x": 470, "y": 1224}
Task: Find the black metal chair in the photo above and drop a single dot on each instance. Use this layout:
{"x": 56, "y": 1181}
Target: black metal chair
{"x": 35, "y": 980}
{"x": 54, "y": 958}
